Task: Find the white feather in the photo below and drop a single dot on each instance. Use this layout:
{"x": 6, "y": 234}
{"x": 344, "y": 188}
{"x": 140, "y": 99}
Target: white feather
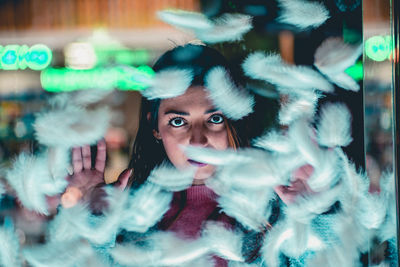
{"x": 297, "y": 93}
{"x": 303, "y": 14}
{"x": 306, "y": 207}
{"x": 64, "y": 254}
{"x": 326, "y": 173}
{"x": 214, "y": 156}
{"x": 300, "y": 133}
{"x": 334, "y": 127}
{"x": 261, "y": 168}
{"x": 274, "y": 141}
{"x": 71, "y": 127}
{"x": 297, "y": 108}
{"x": 164, "y": 249}
{"x": 2, "y": 189}
{"x": 58, "y": 162}
{"x": 371, "y": 211}
{"x": 67, "y": 224}
{"x": 88, "y": 96}
{"x": 302, "y": 239}
{"x": 238, "y": 164}
{"x": 333, "y": 57}
{"x": 168, "y": 83}
{"x": 223, "y": 242}
{"x": 388, "y": 228}
{"x": 270, "y": 250}
{"x": 145, "y": 208}
{"x": 226, "y": 28}
{"x": 291, "y": 238}
{"x": 335, "y": 256}
{"x": 272, "y": 69}
{"x": 235, "y": 103}
{"x": 170, "y": 178}
{"x": 352, "y": 237}
{"x": 9, "y": 244}
{"x": 249, "y": 207}
{"x": 242, "y": 264}
{"x": 32, "y": 181}
{"x": 344, "y": 81}
{"x": 200, "y": 262}
{"x": 80, "y": 98}
{"x": 135, "y": 255}
{"x": 356, "y": 218}
{"x": 185, "y": 19}
{"x": 103, "y": 229}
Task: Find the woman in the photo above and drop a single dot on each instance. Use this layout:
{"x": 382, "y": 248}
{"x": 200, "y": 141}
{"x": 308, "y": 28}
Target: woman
{"x": 166, "y": 124}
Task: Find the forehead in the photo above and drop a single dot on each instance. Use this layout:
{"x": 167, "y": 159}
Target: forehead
{"x": 194, "y": 97}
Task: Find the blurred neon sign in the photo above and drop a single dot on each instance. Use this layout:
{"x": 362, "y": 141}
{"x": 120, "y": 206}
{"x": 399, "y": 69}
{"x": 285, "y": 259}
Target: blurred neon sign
{"x": 378, "y": 48}
{"x": 123, "y": 78}
{"x": 356, "y": 71}
{"x": 15, "y": 57}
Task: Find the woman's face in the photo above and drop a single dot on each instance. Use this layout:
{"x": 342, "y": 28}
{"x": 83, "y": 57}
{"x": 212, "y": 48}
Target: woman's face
{"x": 191, "y": 119}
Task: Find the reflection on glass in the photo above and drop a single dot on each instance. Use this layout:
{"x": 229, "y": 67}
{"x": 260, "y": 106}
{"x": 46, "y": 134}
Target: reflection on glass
{"x": 378, "y": 101}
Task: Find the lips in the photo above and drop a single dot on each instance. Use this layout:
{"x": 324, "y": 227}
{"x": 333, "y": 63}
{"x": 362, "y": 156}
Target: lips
{"x": 196, "y": 163}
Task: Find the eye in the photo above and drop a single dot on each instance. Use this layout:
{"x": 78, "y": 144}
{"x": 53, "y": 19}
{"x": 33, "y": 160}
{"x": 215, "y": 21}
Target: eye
{"x": 216, "y": 119}
{"x": 177, "y": 122}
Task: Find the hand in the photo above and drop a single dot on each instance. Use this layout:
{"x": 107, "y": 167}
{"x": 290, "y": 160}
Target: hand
{"x": 85, "y": 178}
{"x": 298, "y": 186}
{"x": 87, "y": 182}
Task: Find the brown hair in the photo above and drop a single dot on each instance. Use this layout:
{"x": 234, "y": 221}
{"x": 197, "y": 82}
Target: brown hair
{"x": 233, "y": 139}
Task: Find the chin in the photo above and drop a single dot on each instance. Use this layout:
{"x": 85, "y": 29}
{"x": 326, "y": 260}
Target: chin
{"x": 203, "y": 174}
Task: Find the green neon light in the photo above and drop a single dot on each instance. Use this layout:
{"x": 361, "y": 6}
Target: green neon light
{"x": 378, "y": 48}
{"x": 356, "y": 71}
{"x": 122, "y": 56}
{"x": 14, "y": 57}
{"x": 123, "y": 78}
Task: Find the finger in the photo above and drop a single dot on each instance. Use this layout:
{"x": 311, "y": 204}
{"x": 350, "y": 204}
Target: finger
{"x": 101, "y": 156}
{"x": 123, "y": 179}
{"x": 87, "y": 161}
{"x": 77, "y": 159}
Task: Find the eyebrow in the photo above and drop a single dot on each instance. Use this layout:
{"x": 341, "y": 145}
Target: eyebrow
{"x": 183, "y": 113}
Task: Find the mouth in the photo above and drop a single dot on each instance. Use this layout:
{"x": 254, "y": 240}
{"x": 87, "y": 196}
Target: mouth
{"x": 196, "y": 163}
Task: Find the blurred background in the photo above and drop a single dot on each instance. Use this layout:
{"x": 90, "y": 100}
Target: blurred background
{"x": 48, "y": 47}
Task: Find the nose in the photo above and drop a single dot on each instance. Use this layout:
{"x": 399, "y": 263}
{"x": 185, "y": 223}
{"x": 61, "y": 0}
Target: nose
{"x": 198, "y": 135}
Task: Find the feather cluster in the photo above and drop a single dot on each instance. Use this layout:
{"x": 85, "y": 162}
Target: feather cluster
{"x": 337, "y": 202}
{"x": 226, "y": 28}
{"x": 235, "y": 103}
{"x": 67, "y": 123}
{"x": 303, "y": 14}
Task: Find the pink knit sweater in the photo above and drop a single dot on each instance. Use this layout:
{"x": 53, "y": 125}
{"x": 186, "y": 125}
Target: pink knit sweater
{"x": 186, "y": 218}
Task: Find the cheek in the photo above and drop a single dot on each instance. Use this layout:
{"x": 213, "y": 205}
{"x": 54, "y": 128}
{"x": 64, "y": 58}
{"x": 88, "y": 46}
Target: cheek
{"x": 171, "y": 144}
{"x": 218, "y": 139}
